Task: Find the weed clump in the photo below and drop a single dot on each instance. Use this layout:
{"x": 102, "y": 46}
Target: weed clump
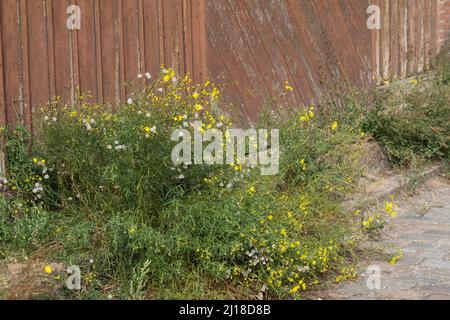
{"x": 101, "y": 184}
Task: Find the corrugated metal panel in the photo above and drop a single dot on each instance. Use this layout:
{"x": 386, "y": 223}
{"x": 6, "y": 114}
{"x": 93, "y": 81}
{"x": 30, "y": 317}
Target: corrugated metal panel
{"x": 408, "y": 38}
{"x": 252, "y": 46}
{"x": 317, "y": 45}
{"x": 41, "y": 58}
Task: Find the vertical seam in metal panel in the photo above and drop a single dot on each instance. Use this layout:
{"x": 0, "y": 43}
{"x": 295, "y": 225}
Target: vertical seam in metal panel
{"x": 76, "y": 49}
{"x": 20, "y": 112}
{"x": 3, "y": 121}
{"x": 203, "y": 46}
{"x": 123, "y": 70}
{"x": 141, "y": 38}
{"x": 2, "y": 77}
{"x": 119, "y": 48}
{"x": 184, "y": 43}
{"x": 162, "y": 55}
{"x": 116, "y": 51}
{"x": 422, "y": 36}
{"x": 24, "y": 49}
{"x": 98, "y": 50}
{"x": 50, "y": 49}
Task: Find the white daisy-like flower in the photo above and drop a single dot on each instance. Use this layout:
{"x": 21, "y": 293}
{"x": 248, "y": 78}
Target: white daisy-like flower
{"x": 148, "y": 115}
{"x": 109, "y": 147}
{"x": 46, "y": 177}
{"x": 46, "y": 118}
{"x": 140, "y": 76}
{"x": 130, "y": 101}
{"x": 54, "y": 119}
{"x": 148, "y": 75}
{"x": 160, "y": 90}
{"x": 153, "y": 129}
{"x": 116, "y": 142}
{"x": 92, "y": 121}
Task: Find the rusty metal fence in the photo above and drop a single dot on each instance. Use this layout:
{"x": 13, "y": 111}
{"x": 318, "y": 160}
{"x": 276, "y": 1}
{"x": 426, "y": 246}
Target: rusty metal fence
{"x": 252, "y": 46}
{"x": 42, "y": 57}
{"x": 315, "y": 45}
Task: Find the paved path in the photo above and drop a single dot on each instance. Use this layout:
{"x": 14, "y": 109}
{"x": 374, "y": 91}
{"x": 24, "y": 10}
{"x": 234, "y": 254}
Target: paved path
{"x": 422, "y": 232}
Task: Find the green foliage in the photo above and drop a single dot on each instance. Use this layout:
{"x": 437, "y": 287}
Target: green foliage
{"x": 411, "y": 121}
{"x": 155, "y": 231}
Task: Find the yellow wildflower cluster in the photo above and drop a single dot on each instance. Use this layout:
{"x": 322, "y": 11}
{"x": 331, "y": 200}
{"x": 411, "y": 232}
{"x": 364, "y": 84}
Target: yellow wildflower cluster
{"x": 308, "y": 114}
{"x": 346, "y": 273}
{"x": 390, "y": 209}
{"x": 395, "y": 258}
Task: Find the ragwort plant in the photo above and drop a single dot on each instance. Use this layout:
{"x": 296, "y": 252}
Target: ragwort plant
{"x": 153, "y": 230}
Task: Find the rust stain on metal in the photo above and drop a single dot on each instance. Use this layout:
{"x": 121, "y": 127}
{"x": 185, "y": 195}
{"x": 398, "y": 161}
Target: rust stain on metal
{"x": 251, "y": 46}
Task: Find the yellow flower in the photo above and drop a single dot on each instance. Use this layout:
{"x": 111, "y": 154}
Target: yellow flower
{"x": 198, "y": 107}
{"x": 132, "y": 230}
{"x": 215, "y": 94}
{"x": 252, "y": 190}
{"x": 147, "y": 129}
{"x": 48, "y": 269}
{"x": 303, "y": 164}
{"x": 390, "y": 209}
{"x": 35, "y": 160}
{"x": 295, "y": 289}
{"x": 311, "y": 114}
{"x": 283, "y": 232}
{"x": 334, "y": 125}
{"x": 196, "y": 95}
{"x": 270, "y": 217}
{"x": 166, "y": 78}
{"x": 304, "y": 118}
{"x": 288, "y": 87}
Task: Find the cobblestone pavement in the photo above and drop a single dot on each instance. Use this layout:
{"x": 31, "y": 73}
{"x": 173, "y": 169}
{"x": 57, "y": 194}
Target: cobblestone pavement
{"x": 422, "y": 232}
